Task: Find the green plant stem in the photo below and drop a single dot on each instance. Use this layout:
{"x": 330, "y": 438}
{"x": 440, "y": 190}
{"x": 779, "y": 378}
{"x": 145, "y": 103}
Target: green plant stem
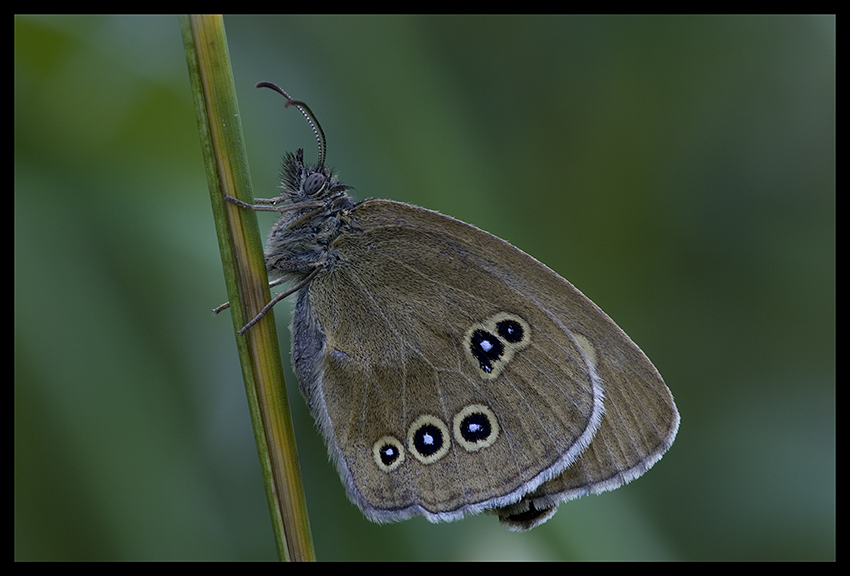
{"x": 226, "y": 162}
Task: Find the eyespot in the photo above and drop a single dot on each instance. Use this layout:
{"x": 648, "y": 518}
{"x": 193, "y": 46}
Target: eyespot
{"x": 428, "y": 439}
{"x": 511, "y": 330}
{"x": 486, "y": 348}
{"x": 388, "y": 453}
{"x": 475, "y": 427}
{"x": 314, "y": 183}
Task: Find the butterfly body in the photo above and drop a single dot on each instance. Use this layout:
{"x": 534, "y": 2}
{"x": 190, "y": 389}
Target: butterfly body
{"x": 450, "y": 372}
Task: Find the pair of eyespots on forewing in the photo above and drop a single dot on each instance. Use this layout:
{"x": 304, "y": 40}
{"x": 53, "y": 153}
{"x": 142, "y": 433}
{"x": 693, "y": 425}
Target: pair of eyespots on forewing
{"x": 490, "y": 345}
{"x": 474, "y": 427}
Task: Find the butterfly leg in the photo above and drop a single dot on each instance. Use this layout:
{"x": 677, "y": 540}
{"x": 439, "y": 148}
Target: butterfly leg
{"x": 270, "y": 204}
{"x": 226, "y": 305}
{"x": 280, "y": 296}
{"x": 277, "y": 298}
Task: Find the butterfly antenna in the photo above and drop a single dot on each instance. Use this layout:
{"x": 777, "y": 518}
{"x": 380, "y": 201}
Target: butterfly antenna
{"x": 308, "y": 114}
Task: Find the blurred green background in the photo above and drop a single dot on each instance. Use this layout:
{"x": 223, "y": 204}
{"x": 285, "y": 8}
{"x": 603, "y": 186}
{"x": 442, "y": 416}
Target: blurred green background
{"x": 680, "y": 171}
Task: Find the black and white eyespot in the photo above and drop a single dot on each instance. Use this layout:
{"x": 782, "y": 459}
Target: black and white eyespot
{"x": 475, "y": 427}
{"x": 486, "y": 348}
{"x": 314, "y": 183}
{"x": 388, "y": 452}
{"x": 428, "y": 439}
{"x": 491, "y": 344}
{"x": 511, "y": 330}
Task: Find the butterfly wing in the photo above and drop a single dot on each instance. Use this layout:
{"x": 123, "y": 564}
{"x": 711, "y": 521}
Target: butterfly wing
{"x": 449, "y": 371}
{"x": 639, "y": 425}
